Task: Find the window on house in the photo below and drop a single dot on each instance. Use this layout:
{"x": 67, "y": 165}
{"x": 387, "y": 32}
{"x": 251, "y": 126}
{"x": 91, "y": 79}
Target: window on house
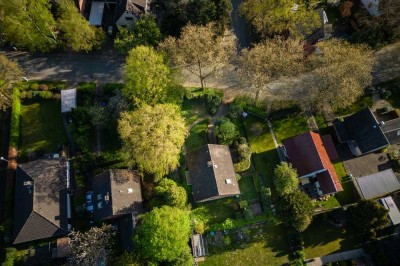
{"x": 398, "y": 132}
{"x": 128, "y": 18}
{"x": 100, "y": 205}
{"x": 99, "y": 196}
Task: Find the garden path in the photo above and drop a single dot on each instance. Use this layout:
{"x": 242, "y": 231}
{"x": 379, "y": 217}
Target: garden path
{"x": 346, "y": 255}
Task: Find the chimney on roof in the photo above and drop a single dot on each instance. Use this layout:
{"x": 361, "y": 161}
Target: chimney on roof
{"x": 209, "y": 163}
{"x": 107, "y": 198}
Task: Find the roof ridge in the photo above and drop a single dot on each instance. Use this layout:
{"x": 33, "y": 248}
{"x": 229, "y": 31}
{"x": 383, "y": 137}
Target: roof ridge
{"x": 213, "y": 168}
{"x": 315, "y": 146}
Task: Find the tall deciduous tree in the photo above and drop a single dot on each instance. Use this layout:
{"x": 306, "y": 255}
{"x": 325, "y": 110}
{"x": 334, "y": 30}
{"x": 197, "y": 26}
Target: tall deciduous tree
{"x": 286, "y": 179}
{"x": 271, "y": 17}
{"x": 171, "y": 194}
{"x": 76, "y": 30}
{"x": 269, "y": 61}
{"x": 146, "y": 76}
{"x": 153, "y": 137}
{"x": 389, "y": 12}
{"x": 28, "y": 24}
{"x": 368, "y": 216}
{"x": 163, "y": 236}
{"x": 9, "y": 71}
{"x": 199, "y": 50}
{"x": 296, "y": 209}
{"x": 92, "y": 247}
{"x": 145, "y": 32}
{"x": 341, "y": 72}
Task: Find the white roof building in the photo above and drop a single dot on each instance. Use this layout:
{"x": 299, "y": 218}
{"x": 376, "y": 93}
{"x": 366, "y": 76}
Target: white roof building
{"x": 394, "y": 213}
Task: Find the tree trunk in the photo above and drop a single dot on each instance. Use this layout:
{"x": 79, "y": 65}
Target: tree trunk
{"x": 257, "y": 96}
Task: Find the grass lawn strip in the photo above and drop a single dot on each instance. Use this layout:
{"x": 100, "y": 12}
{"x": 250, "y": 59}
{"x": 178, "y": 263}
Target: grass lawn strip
{"x": 321, "y": 239}
{"x": 41, "y": 126}
{"x": 289, "y": 127}
{"x": 263, "y": 244}
{"x": 197, "y": 136}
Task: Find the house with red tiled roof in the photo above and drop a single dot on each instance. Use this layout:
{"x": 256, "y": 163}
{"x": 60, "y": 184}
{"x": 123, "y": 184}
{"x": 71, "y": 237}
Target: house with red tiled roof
{"x": 312, "y": 157}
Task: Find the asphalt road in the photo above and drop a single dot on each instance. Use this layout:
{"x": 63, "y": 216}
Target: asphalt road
{"x": 72, "y": 67}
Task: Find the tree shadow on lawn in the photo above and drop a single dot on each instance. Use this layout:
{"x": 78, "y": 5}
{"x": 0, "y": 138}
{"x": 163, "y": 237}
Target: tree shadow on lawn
{"x": 265, "y": 163}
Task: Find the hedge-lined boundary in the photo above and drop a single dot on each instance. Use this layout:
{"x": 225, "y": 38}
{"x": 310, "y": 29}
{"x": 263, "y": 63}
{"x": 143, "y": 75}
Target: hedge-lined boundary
{"x": 15, "y": 118}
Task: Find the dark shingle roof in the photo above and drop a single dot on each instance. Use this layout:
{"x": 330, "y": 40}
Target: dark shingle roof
{"x": 40, "y": 200}
{"x": 364, "y": 129}
{"x": 391, "y": 129}
{"x": 210, "y": 170}
{"x": 136, "y": 7}
{"x": 123, "y": 189}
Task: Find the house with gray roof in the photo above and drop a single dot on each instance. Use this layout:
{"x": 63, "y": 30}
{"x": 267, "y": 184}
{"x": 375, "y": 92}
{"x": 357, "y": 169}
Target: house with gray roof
{"x": 41, "y": 200}
{"x": 211, "y": 173}
{"x": 117, "y": 198}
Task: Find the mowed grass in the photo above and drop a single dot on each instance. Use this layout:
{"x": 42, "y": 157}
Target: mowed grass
{"x": 247, "y": 188}
{"x": 364, "y": 101}
{"x": 265, "y": 156}
{"x": 216, "y": 211}
{"x": 267, "y": 246}
{"x": 322, "y": 239}
{"x": 41, "y": 126}
{"x": 348, "y": 195}
{"x": 197, "y": 136}
{"x": 289, "y": 127}
{"x": 193, "y": 110}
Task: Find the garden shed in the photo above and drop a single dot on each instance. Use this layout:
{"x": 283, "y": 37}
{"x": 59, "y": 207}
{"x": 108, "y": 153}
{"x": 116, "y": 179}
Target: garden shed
{"x": 68, "y": 100}
{"x": 377, "y": 185}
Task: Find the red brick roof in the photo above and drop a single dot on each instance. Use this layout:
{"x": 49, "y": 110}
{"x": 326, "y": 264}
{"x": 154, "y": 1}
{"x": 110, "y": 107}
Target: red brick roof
{"x": 307, "y": 154}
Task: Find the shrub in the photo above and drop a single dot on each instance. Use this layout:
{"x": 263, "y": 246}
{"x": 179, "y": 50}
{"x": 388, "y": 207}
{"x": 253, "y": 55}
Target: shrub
{"x": 386, "y": 94}
{"x": 345, "y": 9}
{"x": 238, "y": 177}
{"x": 15, "y": 118}
{"x": 226, "y": 131}
{"x": 248, "y": 214}
{"x": 235, "y": 111}
{"x": 198, "y": 226}
{"x": 10, "y": 257}
{"x": 212, "y": 102}
{"x": 244, "y": 151}
{"x": 227, "y": 240}
{"x": 242, "y": 140}
{"x": 43, "y": 87}
{"x": 257, "y": 182}
{"x": 45, "y": 95}
{"x": 265, "y": 198}
{"x": 243, "y": 204}
{"x": 242, "y": 165}
{"x": 228, "y": 224}
{"x": 34, "y": 86}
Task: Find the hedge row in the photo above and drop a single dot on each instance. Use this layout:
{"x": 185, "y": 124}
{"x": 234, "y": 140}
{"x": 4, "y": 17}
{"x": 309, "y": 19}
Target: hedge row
{"x": 15, "y": 117}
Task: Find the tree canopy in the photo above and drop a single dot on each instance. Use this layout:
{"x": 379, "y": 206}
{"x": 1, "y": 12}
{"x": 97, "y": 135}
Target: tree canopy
{"x": 270, "y": 17}
{"x": 93, "y": 247}
{"x": 367, "y": 215}
{"x": 269, "y": 61}
{"x": 226, "y": 131}
{"x": 153, "y": 137}
{"x": 9, "y": 71}
{"x": 43, "y": 25}
{"x": 28, "y": 24}
{"x": 296, "y": 209}
{"x": 170, "y": 193}
{"x": 145, "y": 32}
{"x": 163, "y": 236}
{"x": 286, "y": 179}
{"x": 76, "y": 30}
{"x": 341, "y": 72}
{"x": 199, "y": 50}
{"x": 146, "y": 76}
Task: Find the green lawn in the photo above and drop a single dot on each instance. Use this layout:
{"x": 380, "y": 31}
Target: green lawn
{"x": 265, "y": 156}
{"x": 247, "y": 188}
{"x": 197, "y": 136}
{"x": 266, "y": 244}
{"x": 321, "y": 239}
{"x": 364, "y": 101}
{"x": 347, "y": 196}
{"x": 41, "y": 126}
{"x": 289, "y": 127}
{"x": 193, "y": 110}
{"x": 216, "y": 211}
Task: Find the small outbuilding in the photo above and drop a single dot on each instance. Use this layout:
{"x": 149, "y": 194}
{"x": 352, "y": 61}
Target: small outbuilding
{"x": 377, "y": 185}
{"x": 394, "y": 213}
{"x": 68, "y": 100}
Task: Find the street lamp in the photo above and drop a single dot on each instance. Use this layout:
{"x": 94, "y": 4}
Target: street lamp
{"x": 3, "y": 159}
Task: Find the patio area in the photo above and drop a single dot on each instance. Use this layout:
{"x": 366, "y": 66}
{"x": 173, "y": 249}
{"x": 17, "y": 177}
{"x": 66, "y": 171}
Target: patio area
{"x": 368, "y": 164}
